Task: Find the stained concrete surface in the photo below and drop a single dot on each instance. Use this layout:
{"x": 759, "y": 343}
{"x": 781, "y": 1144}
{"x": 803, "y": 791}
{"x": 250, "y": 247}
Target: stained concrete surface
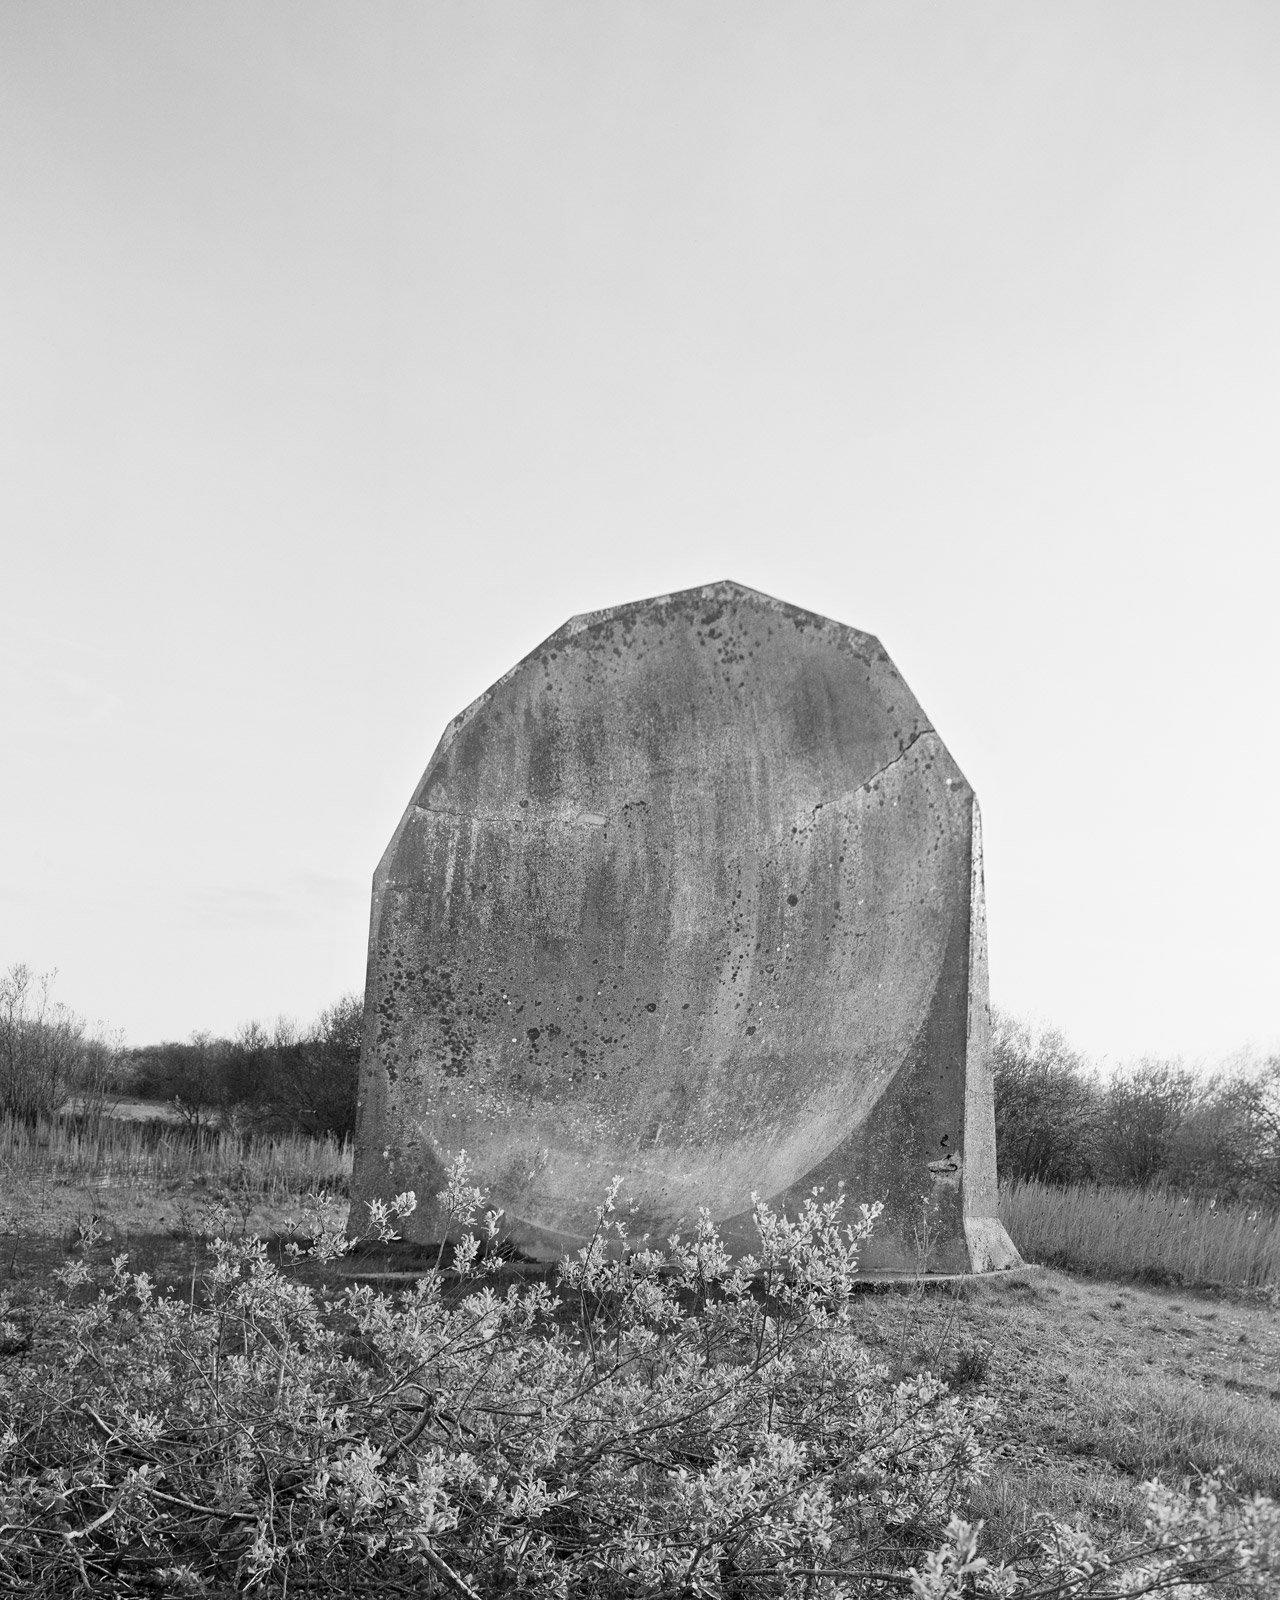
{"x": 691, "y": 896}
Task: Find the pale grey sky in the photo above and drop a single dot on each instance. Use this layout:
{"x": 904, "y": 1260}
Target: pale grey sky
{"x": 349, "y": 349}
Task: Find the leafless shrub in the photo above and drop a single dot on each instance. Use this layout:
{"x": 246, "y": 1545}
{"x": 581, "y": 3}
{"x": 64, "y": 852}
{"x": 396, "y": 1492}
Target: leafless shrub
{"x": 665, "y": 1423}
{"x": 47, "y": 1051}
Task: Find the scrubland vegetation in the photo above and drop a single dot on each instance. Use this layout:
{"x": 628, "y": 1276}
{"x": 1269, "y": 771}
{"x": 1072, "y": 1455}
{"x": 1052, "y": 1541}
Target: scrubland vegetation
{"x": 653, "y": 1423}
{"x": 255, "y": 1416}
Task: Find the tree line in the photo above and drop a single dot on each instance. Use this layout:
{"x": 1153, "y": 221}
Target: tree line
{"x": 282, "y": 1076}
{"x": 1155, "y": 1121}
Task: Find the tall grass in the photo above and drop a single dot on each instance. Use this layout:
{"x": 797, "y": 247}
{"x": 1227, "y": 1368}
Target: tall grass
{"x": 1153, "y": 1234}
{"x": 106, "y": 1149}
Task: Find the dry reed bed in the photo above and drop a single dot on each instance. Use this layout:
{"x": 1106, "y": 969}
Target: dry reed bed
{"x": 1156, "y": 1235}
{"x": 135, "y": 1152}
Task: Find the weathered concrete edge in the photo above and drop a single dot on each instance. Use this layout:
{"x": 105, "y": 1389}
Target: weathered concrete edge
{"x": 990, "y": 1247}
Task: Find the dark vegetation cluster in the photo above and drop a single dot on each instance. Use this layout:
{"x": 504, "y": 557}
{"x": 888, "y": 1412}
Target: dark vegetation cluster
{"x": 1155, "y": 1122}
{"x": 277, "y": 1078}
{"x": 285, "y": 1076}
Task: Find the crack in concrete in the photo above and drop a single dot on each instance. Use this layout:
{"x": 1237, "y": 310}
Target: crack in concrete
{"x": 889, "y": 765}
{"x": 850, "y": 794}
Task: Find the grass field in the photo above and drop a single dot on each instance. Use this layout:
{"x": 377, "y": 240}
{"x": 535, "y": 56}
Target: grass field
{"x": 1101, "y": 1387}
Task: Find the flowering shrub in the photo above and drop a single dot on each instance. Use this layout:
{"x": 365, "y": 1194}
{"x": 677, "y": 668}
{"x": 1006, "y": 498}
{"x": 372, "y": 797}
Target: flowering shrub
{"x": 663, "y": 1423}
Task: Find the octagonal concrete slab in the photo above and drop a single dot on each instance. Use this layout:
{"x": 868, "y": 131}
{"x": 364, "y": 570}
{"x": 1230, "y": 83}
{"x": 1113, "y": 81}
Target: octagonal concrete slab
{"x": 691, "y": 896}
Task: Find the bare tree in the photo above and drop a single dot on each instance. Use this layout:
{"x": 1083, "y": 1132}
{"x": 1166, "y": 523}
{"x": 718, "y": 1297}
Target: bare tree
{"x": 312, "y": 1074}
{"x": 46, "y": 1051}
{"x": 1047, "y": 1104}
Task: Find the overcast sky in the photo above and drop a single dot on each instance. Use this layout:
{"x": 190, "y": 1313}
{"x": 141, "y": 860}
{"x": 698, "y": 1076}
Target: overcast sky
{"x": 349, "y": 349}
